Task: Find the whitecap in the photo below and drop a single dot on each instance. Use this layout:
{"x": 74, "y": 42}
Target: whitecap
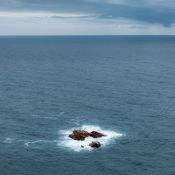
{"x": 27, "y": 144}
{"x": 62, "y": 113}
{"x": 84, "y": 145}
{"x": 8, "y": 140}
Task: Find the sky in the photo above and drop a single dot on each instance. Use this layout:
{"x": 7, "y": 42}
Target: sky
{"x": 87, "y": 17}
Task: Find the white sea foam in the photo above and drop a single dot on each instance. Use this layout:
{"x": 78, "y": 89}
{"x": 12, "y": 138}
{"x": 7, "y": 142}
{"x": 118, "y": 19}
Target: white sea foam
{"x": 8, "y": 140}
{"x": 77, "y": 145}
{"x": 39, "y": 142}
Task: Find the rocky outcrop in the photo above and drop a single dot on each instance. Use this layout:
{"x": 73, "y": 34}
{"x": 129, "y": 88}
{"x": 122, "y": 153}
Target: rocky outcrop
{"x": 96, "y": 134}
{"x": 95, "y": 144}
{"x": 81, "y": 134}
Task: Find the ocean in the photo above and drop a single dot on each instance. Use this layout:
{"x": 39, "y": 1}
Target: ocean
{"x": 121, "y": 85}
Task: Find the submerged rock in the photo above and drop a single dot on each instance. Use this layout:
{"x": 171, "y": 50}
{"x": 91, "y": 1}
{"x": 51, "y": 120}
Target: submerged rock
{"x": 95, "y": 144}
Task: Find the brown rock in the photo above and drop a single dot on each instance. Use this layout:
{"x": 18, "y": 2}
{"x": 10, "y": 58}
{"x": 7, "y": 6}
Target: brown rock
{"x": 79, "y": 135}
{"x": 96, "y": 134}
{"x": 95, "y": 144}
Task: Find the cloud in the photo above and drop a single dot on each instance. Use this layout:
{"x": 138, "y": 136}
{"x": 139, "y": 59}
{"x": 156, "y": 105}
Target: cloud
{"x": 137, "y": 15}
{"x": 139, "y": 3}
{"x": 77, "y": 25}
{"x": 153, "y": 11}
{"x": 42, "y": 15}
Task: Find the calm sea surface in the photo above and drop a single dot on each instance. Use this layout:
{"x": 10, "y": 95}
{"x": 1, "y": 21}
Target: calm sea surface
{"x": 119, "y": 83}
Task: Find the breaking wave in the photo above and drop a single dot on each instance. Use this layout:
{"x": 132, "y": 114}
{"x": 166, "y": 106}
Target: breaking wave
{"x": 27, "y": 144}
{"x": 83, "y": 145}
{"x": 8, "y": 140}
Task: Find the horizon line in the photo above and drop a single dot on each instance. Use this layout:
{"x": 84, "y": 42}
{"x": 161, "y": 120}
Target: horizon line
{"x": 69, "y": 35}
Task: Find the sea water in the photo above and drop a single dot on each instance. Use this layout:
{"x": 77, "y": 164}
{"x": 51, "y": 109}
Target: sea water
{"x": 123, "y": 86}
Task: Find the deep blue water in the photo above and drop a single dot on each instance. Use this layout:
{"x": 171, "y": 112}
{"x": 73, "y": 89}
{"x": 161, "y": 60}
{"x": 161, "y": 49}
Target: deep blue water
{"x": 120, "y": 83}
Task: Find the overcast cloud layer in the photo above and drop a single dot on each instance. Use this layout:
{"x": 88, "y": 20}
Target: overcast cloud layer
{"x": 62, "y": 17}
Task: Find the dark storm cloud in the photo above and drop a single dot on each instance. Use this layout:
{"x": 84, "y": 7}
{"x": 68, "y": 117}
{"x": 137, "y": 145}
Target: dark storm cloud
{"x": 155, "y": 11}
